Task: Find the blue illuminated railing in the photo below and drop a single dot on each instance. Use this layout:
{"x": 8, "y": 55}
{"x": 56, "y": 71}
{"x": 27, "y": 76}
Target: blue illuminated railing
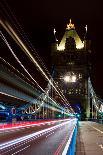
{"x": 71, "y": 144}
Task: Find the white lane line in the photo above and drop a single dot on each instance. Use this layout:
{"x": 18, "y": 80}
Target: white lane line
{"x": 68, "y": 142}
{"x": 18, "y": 140}
{"x": 96, "y": 129}
{"x": 20, "y": 150}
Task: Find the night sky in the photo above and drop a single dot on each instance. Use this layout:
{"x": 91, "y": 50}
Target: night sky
{"x": 39, "y": 18}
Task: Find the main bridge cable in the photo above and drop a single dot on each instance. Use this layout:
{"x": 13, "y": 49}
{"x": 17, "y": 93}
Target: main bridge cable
{"x": 8, "y": 28}
{"x": 2, "y": 36}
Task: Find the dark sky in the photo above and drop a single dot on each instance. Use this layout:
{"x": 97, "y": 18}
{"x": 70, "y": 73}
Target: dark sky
{"x": 38, "y": 18}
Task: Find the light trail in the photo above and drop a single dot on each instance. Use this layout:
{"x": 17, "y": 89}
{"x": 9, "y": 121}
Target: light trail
{"x": 20, "y": 150}
{"x": 1, "y": 59}
{"x": 69, "y": 141}
{"x": 22, "y": 33}
{"x": 3, "y": 37}
{"x": 33, "y": 87}
{"x": 30, "y": 136}
{"x": 25, "y": 49}
{"x": 29, "y": 124}
{"x": 12, "y": 96}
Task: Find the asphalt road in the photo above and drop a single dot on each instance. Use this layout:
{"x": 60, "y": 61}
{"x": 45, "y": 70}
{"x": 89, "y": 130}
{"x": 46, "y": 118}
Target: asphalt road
{"x": 49, "y": 138}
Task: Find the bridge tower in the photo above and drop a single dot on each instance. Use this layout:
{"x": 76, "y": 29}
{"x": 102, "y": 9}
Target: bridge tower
{"x": 70, "y": 57}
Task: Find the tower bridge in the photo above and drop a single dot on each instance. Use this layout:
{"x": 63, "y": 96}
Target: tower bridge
{"x": 69, "y": 95}
{"x": 71, "y": 60}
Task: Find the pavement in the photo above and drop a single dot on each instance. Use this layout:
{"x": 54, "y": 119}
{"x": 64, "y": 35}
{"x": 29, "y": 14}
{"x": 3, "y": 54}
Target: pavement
{"x": 89, "y": 138}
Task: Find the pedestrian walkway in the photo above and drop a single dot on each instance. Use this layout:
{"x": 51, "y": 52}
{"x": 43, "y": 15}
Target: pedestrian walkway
{"x": 89, "y": 138}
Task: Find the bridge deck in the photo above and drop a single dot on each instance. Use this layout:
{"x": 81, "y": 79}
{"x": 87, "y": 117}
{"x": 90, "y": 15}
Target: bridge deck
{"x": 89, "y": 138}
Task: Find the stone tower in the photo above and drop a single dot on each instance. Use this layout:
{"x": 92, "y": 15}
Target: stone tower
{"x": 71, "y": 65}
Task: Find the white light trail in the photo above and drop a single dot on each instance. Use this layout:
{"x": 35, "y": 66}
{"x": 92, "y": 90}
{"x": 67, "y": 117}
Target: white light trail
{"x": 69, "y": 141}
{"x": 12, "y": 96}
{"x": 20, "y": 150}
{"x": 9, "y": 29}
{"x": 36, "y": 134}
{"x": 25, "y": 68}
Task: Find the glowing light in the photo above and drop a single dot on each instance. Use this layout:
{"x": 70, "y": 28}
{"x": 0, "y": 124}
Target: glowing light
{"x": 2, "y": 107}
{"x": 70, "y": 78}
{"x": 73, "y": 78}
{"x": 101, "y": 108}
{"x": 54, "y": 31}
{"x": 86, "y": 28}
{"x": 34, "y": 135}
{"x": 12, "y": 33}
{"x": 60, "y": 48}
{"x": 67, "y": 78}
{"x": 80, "y": 45}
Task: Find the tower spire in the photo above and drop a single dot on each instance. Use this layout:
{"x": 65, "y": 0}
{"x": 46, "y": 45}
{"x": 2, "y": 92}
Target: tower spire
{"x": 70, "y": 25}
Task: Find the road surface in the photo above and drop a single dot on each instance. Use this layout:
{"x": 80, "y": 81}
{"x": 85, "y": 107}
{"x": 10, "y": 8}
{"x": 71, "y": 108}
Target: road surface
{"x": 47, "y": 138}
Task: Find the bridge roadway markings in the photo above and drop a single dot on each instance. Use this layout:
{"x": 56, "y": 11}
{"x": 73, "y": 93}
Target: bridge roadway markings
{"x": 101, "y": 146}
{"x": 37, "y": 135}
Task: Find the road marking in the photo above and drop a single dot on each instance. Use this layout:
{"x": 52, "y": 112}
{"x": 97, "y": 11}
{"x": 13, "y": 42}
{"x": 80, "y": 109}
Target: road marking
{"x": 101, "y": 146}
{"x": 20, "y": 150}
{"x": 96, "y": 129}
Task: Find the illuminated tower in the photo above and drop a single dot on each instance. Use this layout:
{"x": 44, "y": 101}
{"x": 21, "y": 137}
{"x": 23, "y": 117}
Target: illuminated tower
{"x": 71, "y": 60}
